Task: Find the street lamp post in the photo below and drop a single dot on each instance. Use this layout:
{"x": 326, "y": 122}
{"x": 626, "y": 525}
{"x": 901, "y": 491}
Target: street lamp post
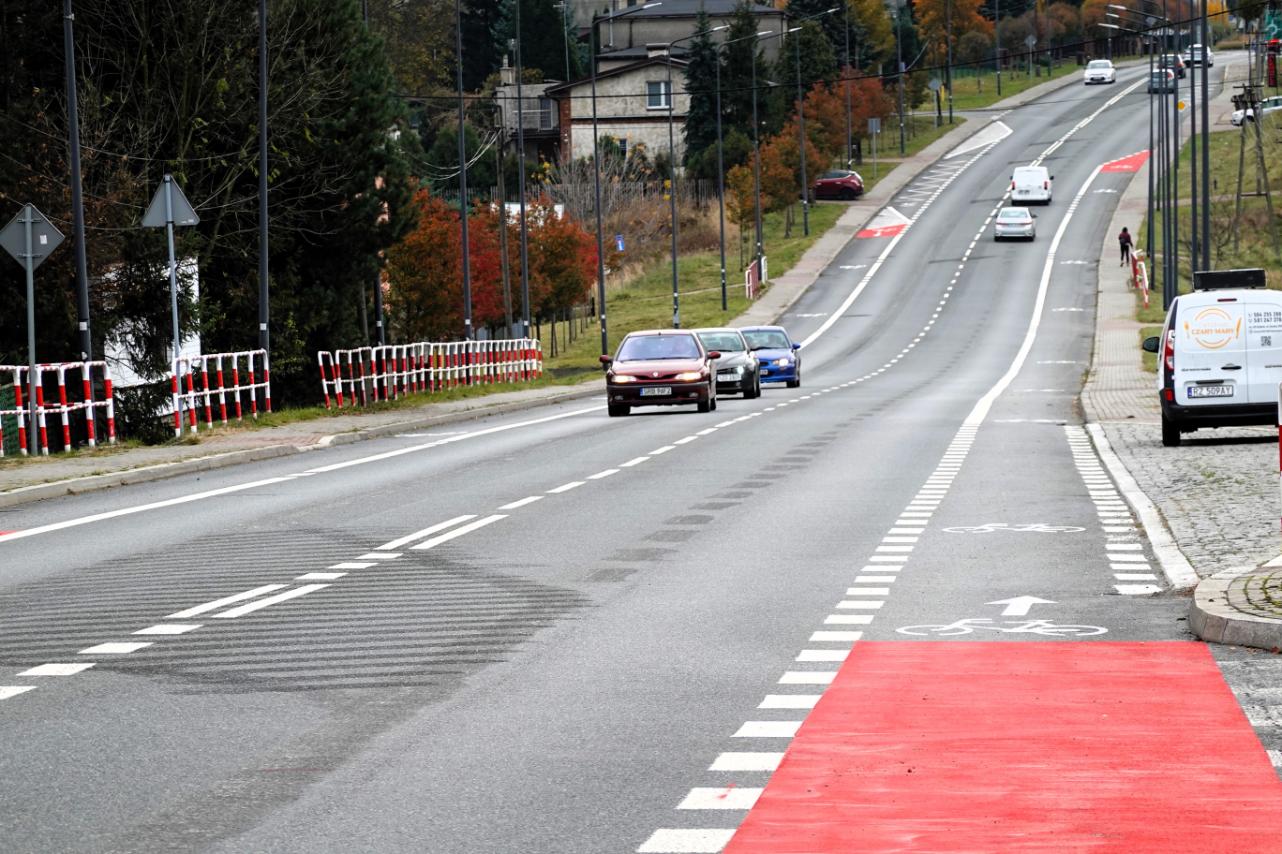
{"x": 801, "y": 141}
{"x": 899, "y": 73}
{"x": 721, "y": 168}
{"x": 462, "y": 173}
{"x": 596, "y": 173}
{"x": 948, "y": 69}
{"x": 672, "y": 171}
{"x": 520, "y": 184}
{"x": 997, "y": 43}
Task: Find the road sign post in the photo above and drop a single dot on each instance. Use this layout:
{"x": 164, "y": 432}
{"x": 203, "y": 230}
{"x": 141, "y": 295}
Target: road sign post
{"x": 29, "y": 238}
{"x": 169, "y": 207}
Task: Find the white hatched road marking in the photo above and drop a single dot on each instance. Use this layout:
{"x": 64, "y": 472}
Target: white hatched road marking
{"x": 671, "y": 840}
{"x": 318, "y": 576}
{"x": 779, "y": 701}
{"x": 768, "y": 729}
{"x": 724, "y": 798}
{"x": 115, "y": 648}
{"x": 7, "y": 691}
{"x": 169, "y": 629}
{"x": 57, "y": 669}
{"x": 746, "y": 761}
{"x": 226, "y": 600}
{"x": 458, "y": 532}
{"x": 251, "y": 607}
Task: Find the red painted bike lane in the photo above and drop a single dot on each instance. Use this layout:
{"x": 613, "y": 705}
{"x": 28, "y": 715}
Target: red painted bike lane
{"x": 1047, "y": 747}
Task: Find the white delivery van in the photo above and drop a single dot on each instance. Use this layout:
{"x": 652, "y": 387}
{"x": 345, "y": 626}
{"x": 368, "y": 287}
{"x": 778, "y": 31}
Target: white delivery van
{"x": 1219, "y": 360}
{"x": 1031, "y": 185}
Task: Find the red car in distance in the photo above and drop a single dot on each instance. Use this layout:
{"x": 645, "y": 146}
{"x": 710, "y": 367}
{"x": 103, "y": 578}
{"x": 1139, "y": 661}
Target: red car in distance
{"x": 838, "y": 184}
{"x": 660, "y": 367}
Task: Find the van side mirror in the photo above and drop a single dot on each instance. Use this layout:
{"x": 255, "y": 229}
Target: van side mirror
{"x": 1152, "y": 344}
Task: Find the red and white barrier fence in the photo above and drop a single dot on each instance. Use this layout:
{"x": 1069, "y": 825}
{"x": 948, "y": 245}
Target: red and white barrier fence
{"x": 82, "y": 376}
{"x": 365, "y": 375}
{"x": 201, "y": 385}
{"x": 1139, "y": 274}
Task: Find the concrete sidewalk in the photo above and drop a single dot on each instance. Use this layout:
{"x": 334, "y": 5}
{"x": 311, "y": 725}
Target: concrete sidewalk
{"x": 69, "y": 474}
{"x": 1216, "y": 497}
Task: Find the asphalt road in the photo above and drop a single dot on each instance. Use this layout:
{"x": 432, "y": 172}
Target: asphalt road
{"x": 598, "y": 606}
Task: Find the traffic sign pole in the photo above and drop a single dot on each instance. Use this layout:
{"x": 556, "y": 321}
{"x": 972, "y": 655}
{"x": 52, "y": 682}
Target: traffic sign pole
{"x": 33, "y": 439}
{"x": 173, "y": 291}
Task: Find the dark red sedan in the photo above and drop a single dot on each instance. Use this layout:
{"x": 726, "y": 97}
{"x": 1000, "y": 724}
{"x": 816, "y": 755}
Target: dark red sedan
{"x": 660, "y": 368}
{"x": 838, "y": 184}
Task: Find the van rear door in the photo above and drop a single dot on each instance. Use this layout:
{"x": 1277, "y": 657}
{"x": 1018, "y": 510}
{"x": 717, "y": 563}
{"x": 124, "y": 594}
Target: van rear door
{"x": 1210, "y": 352}
{"x": 1264, "y": 346}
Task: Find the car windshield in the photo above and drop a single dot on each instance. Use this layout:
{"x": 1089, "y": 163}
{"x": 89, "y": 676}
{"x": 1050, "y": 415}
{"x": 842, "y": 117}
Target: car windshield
{"x": 767, "y": 339}
{"x": 645, "y": 348}
{"x": 1100, "y": 63}
{"x": 726, "y": 342}
{"x": 1013, "y": 213}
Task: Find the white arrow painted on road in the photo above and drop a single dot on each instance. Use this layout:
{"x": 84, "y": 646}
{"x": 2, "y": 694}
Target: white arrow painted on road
{"x": 1019, "y": 606}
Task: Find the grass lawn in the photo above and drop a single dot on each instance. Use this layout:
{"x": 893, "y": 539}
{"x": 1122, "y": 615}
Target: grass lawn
{"x": 974, "y": 89}
{"x": 1254, "y": 246}
{"x": 646, "y": 302}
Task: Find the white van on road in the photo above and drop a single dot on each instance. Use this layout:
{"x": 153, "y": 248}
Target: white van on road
{"x": 1031, "y": 185}
{"x": 1219, "y": 360}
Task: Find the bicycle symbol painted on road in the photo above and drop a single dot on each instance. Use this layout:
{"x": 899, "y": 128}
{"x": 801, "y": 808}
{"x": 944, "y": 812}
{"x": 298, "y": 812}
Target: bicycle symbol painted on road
{"x": 1032, "y": 528}
{"x": 1045, "y": 628}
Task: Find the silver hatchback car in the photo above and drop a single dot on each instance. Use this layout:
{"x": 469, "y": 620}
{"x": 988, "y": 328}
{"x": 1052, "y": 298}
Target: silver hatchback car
{"x": 1015, "y": 222}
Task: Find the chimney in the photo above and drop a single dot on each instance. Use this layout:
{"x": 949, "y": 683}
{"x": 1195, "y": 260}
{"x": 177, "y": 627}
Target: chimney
{"x": 507, "y": 74}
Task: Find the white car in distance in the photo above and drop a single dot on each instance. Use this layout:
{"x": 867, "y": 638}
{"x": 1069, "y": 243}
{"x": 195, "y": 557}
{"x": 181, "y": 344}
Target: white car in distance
{"x": 1269, "y": 105}
{"x": 1099, "y": 71}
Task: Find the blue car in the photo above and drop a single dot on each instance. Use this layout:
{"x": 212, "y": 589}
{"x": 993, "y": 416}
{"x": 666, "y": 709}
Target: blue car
{"x": 776, "y": 353}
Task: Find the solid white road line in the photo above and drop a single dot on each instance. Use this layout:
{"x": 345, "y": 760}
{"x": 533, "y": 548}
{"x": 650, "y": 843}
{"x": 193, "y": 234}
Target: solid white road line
{"x": 449, "y": 440}
{"x": 141, "y": 508}
{"x": 169, "y": 629}
{"x": 115, "y": 648}
{"x": 251, "y": 607}
{"x": 57, "y": 669}
{"x": 671, "y": 840}
{"x": 514, "y": 505}
{"x": 458, "y": 532}
{"x": 724, "y": 798}
{"x": 768, "y": 729}
{"x": 746, "y": 761}
{"x": 428, "y": 531}
{"x": 226, "y": 600}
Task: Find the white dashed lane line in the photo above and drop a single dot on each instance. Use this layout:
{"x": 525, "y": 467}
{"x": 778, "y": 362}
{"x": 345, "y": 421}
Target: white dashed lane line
{"x": 251, "y": 607}
{"x": 225, "y": 601}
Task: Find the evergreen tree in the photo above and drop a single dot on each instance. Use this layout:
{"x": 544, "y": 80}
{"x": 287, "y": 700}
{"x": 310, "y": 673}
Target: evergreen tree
{"x": 540, "y": 51}
{"x": 736, "y": 72}
{"x": 832, "y": 24}
{"x": 480, "y": 57}
{"x": 701, "y": 120}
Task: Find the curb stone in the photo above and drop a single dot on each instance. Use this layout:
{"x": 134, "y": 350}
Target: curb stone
{"x": 1213, "y": 619}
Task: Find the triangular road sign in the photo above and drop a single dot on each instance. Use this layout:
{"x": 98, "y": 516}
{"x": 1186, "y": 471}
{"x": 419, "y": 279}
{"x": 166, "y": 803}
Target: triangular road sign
{"x": 183, "y": 212}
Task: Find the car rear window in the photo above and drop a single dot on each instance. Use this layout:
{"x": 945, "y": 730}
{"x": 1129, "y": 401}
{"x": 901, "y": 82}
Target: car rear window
{"x": 767, "y": 339}
{"x": 1012, "y": 213}
{"x": 727, "y": 342}
{"x": 638, "y": 348}
{"x": 1100, "y": 63}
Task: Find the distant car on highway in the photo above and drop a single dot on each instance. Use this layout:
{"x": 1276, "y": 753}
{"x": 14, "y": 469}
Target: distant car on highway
{"x": 838, "y": 184}
{"x": 738, "y": 371}
{"x": 777, "y": 354}
{"x": 1268, "y": 105}
{"x": 1173, "y": 62}
{"x": 1015, "y": 223}
{"x": 1161, "y": 80}
{"x": 660, "y": 367}
{"x": 1195, "y": 54}
{"x": 1099, "y": 71}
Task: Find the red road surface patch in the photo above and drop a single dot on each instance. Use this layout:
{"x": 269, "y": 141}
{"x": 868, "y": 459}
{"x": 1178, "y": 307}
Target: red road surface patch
{"x": 1131, "y": 163}
{"x": 884, "y": 231}
{"x": 1046, "y": 747}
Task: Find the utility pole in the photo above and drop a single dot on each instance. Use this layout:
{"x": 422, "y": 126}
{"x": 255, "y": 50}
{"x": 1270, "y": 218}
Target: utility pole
{"x": 264, "y": 337}
{"x": 899, "y": 67}
{"x": 948, "y": 69}
{"x": 462, "y": 171}
{"x": 77, "y": 191}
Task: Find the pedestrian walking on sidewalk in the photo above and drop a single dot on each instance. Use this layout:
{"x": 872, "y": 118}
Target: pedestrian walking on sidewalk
{"x": 1124, "y": 240}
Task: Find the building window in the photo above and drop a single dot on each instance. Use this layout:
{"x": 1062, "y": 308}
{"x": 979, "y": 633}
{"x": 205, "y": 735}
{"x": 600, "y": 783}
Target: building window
{"x": 623, "y": 147}
{"x": 658, "y": 94}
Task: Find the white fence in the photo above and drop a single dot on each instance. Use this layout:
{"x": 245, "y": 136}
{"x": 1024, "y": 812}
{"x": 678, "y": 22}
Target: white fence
{"x": 365, "y": 375}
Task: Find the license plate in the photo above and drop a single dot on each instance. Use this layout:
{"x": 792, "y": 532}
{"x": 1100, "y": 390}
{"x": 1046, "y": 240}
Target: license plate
{"x": 1211, "y": 391}
{"x": 656, "y": 391}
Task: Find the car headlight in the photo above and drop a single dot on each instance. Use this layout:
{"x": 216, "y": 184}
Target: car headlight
{"x": 783, "y": 362}
{"x": 689, "y": 376}
{"x": 622, "y": 378}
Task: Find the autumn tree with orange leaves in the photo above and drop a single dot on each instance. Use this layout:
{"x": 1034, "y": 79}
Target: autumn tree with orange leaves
{"x": 933, "y": 20}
